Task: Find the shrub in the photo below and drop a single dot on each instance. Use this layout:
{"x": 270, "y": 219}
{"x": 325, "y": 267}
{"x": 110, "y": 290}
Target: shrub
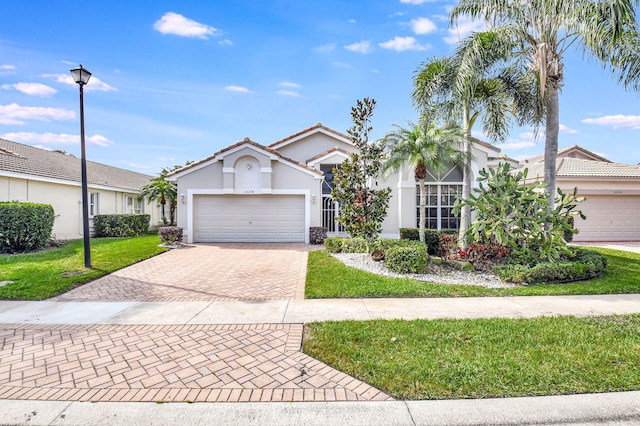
{"x": 410, "y": 234}
{"x": 485, "y": 256}
{"x": 404, "y": 259}
{"x": 24, "y": 226}
{"x": 317, "y": 234}
{"x": 580, "y": 265}
{"x": 354, "y": 245}
{"x": 121, "y": 225}
{"x": 170, "y": 234}
{"x": 333, "y": 245}
{"x": 448, "y": 245}
{"x": 431, "y": 238}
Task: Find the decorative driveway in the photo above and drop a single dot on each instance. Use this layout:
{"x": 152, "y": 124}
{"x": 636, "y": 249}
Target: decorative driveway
{"x": 177, "y": 363}
{"x": 205, "y": 272}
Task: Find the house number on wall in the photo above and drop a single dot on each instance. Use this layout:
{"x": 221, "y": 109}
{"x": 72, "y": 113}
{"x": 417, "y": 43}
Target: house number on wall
{"x": 249, "y": 191}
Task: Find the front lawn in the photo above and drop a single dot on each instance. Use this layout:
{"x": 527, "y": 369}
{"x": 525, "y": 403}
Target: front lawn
{"x": 483, "y": 358}
{"x": 37, "y": 276}
{"x": 327, "y": 277}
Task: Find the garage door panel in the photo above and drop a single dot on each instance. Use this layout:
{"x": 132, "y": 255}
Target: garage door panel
{"x": 268, "y": 218}
{"x": 609, "y": 218}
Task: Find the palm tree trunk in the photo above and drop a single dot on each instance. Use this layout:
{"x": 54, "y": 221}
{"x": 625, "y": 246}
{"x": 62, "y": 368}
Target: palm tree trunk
{"x": 423, "y": 218}
{"x": 465, "y": 213}
{"x": 551, "y": 145}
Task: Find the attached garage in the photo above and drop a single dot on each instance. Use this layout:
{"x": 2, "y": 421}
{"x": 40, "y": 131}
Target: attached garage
{"x": 249, "y": 218}
{"x": 609, "y": 218}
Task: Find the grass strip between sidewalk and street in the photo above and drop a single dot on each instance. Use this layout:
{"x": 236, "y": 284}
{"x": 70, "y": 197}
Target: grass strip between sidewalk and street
{"x": 327, "y": 277}
{"x": 44, "y": 274}
{"x": 483, "y": 358}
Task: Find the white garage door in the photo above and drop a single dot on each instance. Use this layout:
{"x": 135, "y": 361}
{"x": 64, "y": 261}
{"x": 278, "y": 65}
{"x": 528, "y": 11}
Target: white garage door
{"x": 250, "y": 218}
{"x": 609, "y": 218}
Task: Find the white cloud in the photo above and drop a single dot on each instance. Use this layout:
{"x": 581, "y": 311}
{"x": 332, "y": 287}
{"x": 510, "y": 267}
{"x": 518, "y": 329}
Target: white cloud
{"x": 95, "y": 84}
{"x": 55, "y": 139}
{"x": 352, "y": 21}
{"x": 31, "y": 89}
{"x": 515, "y": 144}
{"x": 225, "y": 42}
{"x": 616, "y": 121}
{"x": 291, "y": 93}
{"x": 239, "y": 89}
{"x": 176, "y": 24}
{"x": 136, "y": 165}
{"x": 462, "y": 28}
{"x": 16, "y": 114}
{"x": 7, "y": 69}
{"x": 565, "y": 129}
{"x": 326, "y": 48}
{"x": 290, "y": 84}
{"x": 400, "y": 44}
{"x": 363, "y": 47}
{"x": 423, "y": 26}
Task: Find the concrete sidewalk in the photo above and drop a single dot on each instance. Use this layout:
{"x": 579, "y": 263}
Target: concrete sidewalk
{"x": 593, "y": 409}
{"x": 302, "y": 311}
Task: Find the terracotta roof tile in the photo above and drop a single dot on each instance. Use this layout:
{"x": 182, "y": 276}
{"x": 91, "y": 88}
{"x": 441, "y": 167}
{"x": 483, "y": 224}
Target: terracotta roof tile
{"x": 576, "y": 167}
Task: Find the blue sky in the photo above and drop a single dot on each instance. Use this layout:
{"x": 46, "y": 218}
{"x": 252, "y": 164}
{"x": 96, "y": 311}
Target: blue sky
{"x": 176, "y": 81}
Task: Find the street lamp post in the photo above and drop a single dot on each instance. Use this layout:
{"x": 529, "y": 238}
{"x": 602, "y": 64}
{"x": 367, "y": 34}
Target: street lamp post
{"x": 82, "y": 76}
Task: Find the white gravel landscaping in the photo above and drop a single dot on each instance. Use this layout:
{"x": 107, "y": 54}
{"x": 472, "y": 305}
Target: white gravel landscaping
{"x": 364, "y": 262}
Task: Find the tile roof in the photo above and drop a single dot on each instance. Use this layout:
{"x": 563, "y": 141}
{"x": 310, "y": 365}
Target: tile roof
{"x": 327, "y": 152}
{"x": 576, "y": 167}
{"x": 29, "y": 160}
{"x": 246, "y": 141}
{"x": 309, "y": 129}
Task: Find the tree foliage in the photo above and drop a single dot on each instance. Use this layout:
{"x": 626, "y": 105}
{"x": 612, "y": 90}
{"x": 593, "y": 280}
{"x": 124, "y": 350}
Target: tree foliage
{"x": 363, "y": 206}
{"x": 513, "y": 212}
{"x": 424, "y": 148}
{"x": 164, "y": 192}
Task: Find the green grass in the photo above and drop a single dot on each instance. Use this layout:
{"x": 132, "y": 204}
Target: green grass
{"x": 37, "y": 276}
{"x": 327, "y": 277}
{"x": 450, "y": 359}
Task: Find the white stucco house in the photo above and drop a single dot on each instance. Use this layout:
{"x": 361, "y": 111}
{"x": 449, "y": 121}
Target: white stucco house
{"x": 612, "y": 192}
{"x": 250, "y": 192}
{"x": 48, "y": 177}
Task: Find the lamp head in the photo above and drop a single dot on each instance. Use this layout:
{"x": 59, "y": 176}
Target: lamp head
{"x": 80, "y": 75}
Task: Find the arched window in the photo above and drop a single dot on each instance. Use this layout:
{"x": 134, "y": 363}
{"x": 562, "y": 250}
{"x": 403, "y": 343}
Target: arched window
{"x": 442, "y": 191}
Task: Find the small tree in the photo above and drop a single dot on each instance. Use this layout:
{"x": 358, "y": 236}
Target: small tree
{"x": 513, "y": 213}
{"x": 164, "y": 192}
{"x": 362, "y": 207}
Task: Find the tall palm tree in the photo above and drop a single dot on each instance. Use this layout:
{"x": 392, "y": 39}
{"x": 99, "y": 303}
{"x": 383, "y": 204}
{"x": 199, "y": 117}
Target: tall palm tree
{"x": 539, "y": 32}
{"x": 164, "y": 192}
{"x": 424, "y": 148}
{"x": 472, "y": 84}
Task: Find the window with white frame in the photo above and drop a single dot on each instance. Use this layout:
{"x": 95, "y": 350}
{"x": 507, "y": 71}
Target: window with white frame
{"x": 94, "y": 203}
{"x": 133, "y": 205}
{"x": 442, "y": 190}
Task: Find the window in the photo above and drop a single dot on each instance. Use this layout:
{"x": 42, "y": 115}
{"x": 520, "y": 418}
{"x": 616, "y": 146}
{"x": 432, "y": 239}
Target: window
{"x": 94, "y": 203}
{"x": 442, "y": 190}
{"x": 133, "y": 205}
{"x": 327, "y": 184}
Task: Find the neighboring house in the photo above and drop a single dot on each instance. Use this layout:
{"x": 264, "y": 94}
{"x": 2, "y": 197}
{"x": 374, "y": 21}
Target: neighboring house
{"x": 612, "y": 192}
{"x": 249, "y": 192}
{"x": 40, "y": 176}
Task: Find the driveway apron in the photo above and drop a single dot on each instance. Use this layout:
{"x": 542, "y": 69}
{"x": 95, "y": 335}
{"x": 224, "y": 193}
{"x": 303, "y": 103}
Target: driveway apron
{"x": 171, "y": 363}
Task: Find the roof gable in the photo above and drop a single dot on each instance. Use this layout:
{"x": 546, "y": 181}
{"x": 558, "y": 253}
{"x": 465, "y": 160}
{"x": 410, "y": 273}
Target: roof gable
{"x": 578, "y": 167}
{"x": 26, "y": 160}
{"x": 246, "y": 143}
{"x": 318, "y": 128}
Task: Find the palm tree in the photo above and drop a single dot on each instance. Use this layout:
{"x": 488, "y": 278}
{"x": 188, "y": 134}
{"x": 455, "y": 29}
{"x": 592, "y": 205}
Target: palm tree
{"x": 422, "y": 147}
{"x": 467, "y": 86}
{"x": 539, "y": 32}
{"x": 162, "y": 191}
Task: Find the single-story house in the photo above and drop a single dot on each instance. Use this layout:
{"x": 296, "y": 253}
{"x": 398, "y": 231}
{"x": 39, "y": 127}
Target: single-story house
{"x": 49, "y": 177}
{"x": 248, "y": 192}
{"x": 612, "y": 192}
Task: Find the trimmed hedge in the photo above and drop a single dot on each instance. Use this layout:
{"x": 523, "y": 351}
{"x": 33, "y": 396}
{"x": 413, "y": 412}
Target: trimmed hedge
{"x": 120, "y": 225}
{"x": 405, "y": 259}
{"x": 25, "y": 226}
{"x": 357, "y": 245}
{"x": 585, "y": 264}
{"x": 170, "y": 234}
{"x": 431, "y": 238}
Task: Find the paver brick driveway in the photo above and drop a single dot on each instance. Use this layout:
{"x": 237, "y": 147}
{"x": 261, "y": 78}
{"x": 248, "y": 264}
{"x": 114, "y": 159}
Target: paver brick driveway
{"x": 206, "y": 362}
{"x": 205, "y": 272}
